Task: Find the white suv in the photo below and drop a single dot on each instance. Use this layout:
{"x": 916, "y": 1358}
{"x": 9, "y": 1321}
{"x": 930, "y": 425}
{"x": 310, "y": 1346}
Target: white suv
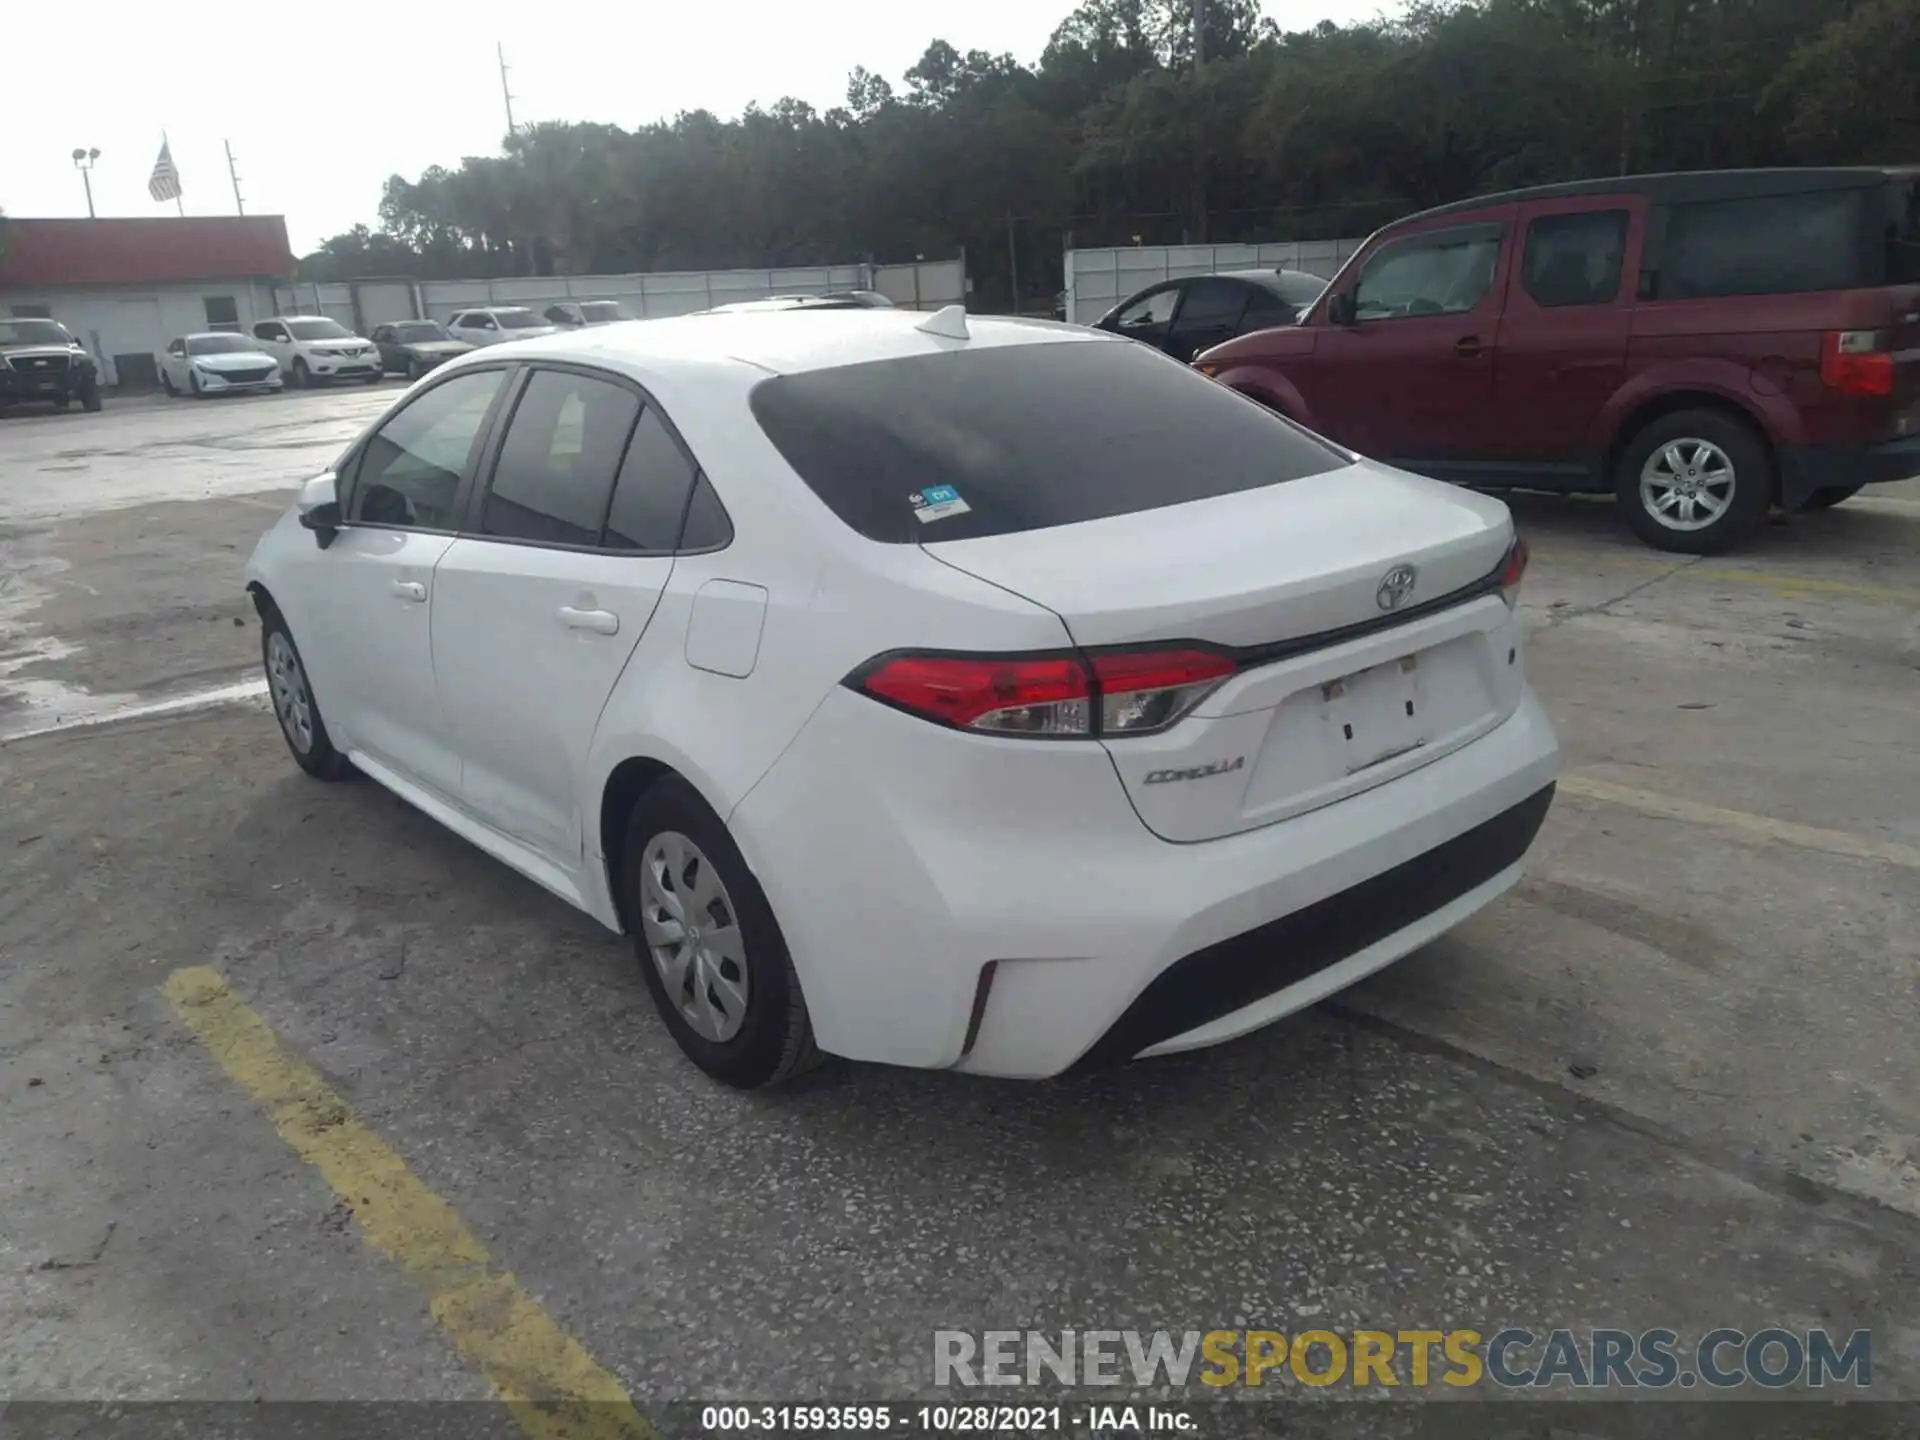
{"x": 493, "y": 324}
{"x": 312, "y": 348}
{"x": 935, "y": 690}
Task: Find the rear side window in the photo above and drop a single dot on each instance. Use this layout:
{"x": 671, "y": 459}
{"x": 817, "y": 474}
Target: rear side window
{"x": 651, "y": 497}
{"x": 555, "y": 473}
{"x": 1768, "y": 245}
{"x": 1574, "y": 259}
{"x": 1027, "y": 436}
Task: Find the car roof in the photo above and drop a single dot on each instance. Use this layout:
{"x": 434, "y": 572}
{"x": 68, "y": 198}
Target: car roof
{"x": 213, "y": 335}
{"x": 1684, "y": 186}
{"x": 297, "y": 317}
{"x": 777, "y": 343}
{"x": 1270, "y": 277}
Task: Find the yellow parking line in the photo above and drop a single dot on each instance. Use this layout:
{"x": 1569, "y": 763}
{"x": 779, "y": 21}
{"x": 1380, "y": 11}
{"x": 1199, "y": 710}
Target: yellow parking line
{"x": 1785, "y": 583}
{"x": 1741, "y": 822}
{"x": 551, "y": 1385}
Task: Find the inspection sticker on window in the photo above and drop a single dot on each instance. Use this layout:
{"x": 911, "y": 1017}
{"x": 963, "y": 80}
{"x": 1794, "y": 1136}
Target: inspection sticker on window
{"x": 936, "y": 502}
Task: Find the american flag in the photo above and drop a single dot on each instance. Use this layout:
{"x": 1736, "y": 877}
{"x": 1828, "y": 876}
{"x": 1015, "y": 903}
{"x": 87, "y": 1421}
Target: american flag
{"x": 164, "y": 183}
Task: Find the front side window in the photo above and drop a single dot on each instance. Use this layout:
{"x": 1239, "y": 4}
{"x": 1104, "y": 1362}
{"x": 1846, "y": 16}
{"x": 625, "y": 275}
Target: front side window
{"x": 556, "y": 469}
{"x": 1768, "y": 245}
{"x": 1443, "y": 274}
{"x": 1027, "y": 436}
{"x": 1150, "y": 310}
{"x": 602, "y": 311}
{"x": 651, "y": 497}
{"x": 519, "y": 320}
{"x": 1574, "y": 259}
{"x": 409, "y": 472}
{"x": 269, "y": 330}
{"x": 480, "y": 322}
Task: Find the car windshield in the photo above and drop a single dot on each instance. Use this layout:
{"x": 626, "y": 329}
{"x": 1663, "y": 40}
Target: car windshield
{"x": 1027, "y": 436}
{"x": 602, "y": 310}
{"x": 218, "y": 345}
{"x": 518, "y": 320}
{"x": 318, "y": 330}
{"x": 33, "y": 332}
{"x": 420, "y": 331}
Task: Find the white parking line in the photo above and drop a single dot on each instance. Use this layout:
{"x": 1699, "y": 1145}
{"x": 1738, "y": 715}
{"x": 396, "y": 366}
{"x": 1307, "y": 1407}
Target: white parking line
{"x": 242, "y": 691}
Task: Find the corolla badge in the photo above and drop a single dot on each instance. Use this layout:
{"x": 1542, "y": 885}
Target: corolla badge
{"x": 1395, "y": 586}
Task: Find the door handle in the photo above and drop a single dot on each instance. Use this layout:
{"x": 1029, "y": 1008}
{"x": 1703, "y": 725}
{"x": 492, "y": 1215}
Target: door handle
{"x": 1469, "y": 346}
{"x": 410, "y": 590}
{"x": 601, "y": 622}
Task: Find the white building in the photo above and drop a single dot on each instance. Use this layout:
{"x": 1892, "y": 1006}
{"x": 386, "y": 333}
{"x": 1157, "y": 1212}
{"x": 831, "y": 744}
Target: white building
{"x": 125, "y": 287}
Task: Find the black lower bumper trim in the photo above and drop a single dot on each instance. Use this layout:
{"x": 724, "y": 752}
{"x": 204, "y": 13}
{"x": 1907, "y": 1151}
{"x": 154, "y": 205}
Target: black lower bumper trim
{"x": 1233, "y": 974}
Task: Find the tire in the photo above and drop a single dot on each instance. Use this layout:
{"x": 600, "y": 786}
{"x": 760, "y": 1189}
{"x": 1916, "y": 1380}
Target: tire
{"x": 193, "y": 384}
{"x": 90, "y": 400}
{"x": 63, "y": 402}
{"x": 414, "y": 372}
{"x": 166, "y": 384}
{"x": 1666, "y": 486}
{"x": 1837, "y": 495}
{"x": 295, "y": 709}
{"x": 376, "y": 377}
{"x": 676, "y": 851}
{"x": 300, "y": 377}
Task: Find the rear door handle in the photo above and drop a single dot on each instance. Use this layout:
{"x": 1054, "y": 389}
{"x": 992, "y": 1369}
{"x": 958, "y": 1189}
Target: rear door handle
{"x": 601, "y": 622}
{"x": 410, "y": 590}
{"x": 1469, "y": 346}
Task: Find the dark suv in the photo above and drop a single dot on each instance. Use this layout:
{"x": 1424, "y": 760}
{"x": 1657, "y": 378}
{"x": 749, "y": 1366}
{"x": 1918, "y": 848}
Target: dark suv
{"x": 39, "y": 360}
{"x": 1701, "y": 345}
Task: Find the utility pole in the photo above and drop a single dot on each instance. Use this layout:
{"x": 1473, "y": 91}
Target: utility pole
{"x": 239, "y": 201}
{"x": 1013, "y": 262}
{"x": 505, "y": 93}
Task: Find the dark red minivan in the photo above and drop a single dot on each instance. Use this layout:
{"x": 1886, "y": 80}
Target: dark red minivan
{"x": 1702, "y": 345}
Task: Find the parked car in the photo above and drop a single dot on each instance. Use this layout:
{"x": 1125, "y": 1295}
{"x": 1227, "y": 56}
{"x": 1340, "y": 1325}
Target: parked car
{"x": 413, "y": 347}
{"x": 492, "y": 324}
{"x": 577, "y": 314}
{"x": 41, "y": 361}
{"x": 217, "y": 363}
{"x": 891, "y": 723}
{"x": 311, "y": 349}
{"x": 1186, "y": 316}
{"x": 1703, "y": 346}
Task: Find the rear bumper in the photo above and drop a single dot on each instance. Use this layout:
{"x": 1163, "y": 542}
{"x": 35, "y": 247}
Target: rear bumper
{"x": 899, "y": 869}
{"x": 1805, "y": 469}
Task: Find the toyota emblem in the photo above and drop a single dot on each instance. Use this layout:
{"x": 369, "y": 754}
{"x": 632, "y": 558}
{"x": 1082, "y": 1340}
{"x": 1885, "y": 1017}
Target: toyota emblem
{"x": 1395, "y": 586}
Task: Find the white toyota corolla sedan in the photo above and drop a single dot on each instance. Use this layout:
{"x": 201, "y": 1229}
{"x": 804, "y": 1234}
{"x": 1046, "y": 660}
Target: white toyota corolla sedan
{"x": 943, "y": 691}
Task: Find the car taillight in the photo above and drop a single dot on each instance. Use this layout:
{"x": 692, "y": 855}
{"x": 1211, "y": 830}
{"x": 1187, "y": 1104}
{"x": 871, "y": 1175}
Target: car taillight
{"x": 1855, "y": 362}
{"x": 1512, "y": 570}
{"x": 1114, "y": 692}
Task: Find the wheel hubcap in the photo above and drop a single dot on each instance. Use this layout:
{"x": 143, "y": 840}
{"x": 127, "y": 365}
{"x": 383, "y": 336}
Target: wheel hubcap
{"x": 288, "y": 682}
{"x": 693, "y": 935}
{"x": 1687, "y": 484}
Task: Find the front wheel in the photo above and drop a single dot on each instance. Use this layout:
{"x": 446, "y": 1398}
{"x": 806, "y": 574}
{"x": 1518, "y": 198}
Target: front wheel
{"x": 293, "y": 703}
{"x": 166, "y": 384}
{"x": 708, "y": 944}
{"x": 90, "y": 400}
{"x": 1694, "y": 482}
{"x": 301, "y": 376}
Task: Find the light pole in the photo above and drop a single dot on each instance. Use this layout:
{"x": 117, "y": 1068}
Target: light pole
{"x": 83, "y": 162}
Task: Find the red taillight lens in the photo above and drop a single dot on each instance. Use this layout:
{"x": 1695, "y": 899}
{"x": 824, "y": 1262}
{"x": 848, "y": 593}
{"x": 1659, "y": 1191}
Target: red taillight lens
{"x": 1853, "y": 362}
{"x": 1146, "y": 690}
{"x": 1512, "y": 570}
{"x": 1118, "y": 692}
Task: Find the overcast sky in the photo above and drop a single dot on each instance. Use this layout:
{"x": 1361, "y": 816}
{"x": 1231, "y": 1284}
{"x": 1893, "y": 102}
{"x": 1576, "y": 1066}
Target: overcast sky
{"x": 322, "y": 103}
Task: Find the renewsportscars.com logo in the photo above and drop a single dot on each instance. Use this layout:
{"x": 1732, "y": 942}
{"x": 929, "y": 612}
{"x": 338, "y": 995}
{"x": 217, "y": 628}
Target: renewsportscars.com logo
{"x": 1513, "y": 1358}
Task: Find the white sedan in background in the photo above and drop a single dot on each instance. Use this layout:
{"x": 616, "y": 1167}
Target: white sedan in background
{"x": 217, "y": 363}
{"x": 496, "y": 324}
{"x": 984, "y": 694}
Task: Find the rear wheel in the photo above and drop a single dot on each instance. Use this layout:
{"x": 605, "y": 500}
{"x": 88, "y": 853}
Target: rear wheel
{"x": 1827, "y": 499}
{"x": 1695, "y": 481}
{"x": 293, "y": 703}
{"x": 708, "y": 944}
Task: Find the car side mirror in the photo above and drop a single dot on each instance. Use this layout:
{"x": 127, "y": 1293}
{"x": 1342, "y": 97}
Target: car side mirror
{"x": 1341, "y": 310}
{"x": 319, "y": 510}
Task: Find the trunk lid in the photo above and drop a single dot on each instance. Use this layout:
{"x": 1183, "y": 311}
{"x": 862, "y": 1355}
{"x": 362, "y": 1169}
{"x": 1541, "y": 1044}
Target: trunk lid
{"x": 1334, "y": 696}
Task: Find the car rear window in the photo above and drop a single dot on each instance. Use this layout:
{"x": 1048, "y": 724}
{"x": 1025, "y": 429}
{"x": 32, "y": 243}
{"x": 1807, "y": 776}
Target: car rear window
{"x": 1026, "y": 437}
{"x": 1767, "y": 245}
